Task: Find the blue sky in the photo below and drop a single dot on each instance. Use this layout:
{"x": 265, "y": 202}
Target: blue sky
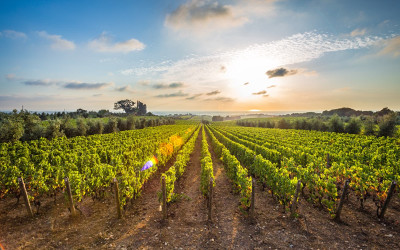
{"x": 272, "y": 55}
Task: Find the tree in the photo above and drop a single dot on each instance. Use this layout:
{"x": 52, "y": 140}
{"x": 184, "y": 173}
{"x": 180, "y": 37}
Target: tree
{"x": 53, "y": 130}
{"x": 283, "y": 124}
{"x": 369, "y": 126}
{"x": 127, "y": 105}
{"x": 384, "y": 111}
{"x": 130, "y": 123}
{"x": 353, "y": 127}
{"x": 336, "y": 124}
{"x": 81, "y": 127}
{"x": 387, "y": 127}
{"x": 111, "y": 126}
{"x": 11, "y": 130}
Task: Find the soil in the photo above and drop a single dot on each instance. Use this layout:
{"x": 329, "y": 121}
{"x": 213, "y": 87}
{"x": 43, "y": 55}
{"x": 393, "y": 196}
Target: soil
{"x": 142, "y": 227}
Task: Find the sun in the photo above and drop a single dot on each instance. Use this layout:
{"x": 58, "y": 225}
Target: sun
{"x": 246, "y": 73}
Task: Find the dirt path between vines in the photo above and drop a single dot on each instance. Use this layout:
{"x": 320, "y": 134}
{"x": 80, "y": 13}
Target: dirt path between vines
{"x": 186, "y": 217}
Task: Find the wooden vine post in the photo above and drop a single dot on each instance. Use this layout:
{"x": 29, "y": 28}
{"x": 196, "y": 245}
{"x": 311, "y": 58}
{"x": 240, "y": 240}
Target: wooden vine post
{"x": 252, "y": 204}
{"x": 25, "y": 195}
{"x": 342, "y": 197}
{"x": 389, "y": 196}
{"x": 295, "y": 197}
{"x": 70, "y": 199}
{"x": 164, "y": 198}
{"x": 116, "y": 189}
{"x": 328, "y": 161}
{"x": 210, "y": 195}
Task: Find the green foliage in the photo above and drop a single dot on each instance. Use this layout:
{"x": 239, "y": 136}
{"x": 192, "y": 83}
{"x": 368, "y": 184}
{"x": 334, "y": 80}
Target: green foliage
{"x": 234, "y": 170}
{"x": 353, "y": 126}
{"x": 111, "y": 126}
{"x": 11, "y": 130}
{"x": 369, "y": 126}
{"x": 336, "y": 124}
{"x": 371, "y": 163}
{"x": 79, "y": 123}
{"x": 81, "y": 127}
{"x": 89, "y": 162}
{"x": 53, "y": 130}
{"x": 283, "y": 124}
{"x": 387, "y": 127}
{"x": 206, "y": 166}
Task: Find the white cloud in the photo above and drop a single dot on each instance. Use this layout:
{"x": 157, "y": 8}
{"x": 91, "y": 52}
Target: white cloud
{"x": 104, "y": 43}
{"x": 13, "y": 34}
{"x": 242, "y": 65}
{"x": 58, "y": 43}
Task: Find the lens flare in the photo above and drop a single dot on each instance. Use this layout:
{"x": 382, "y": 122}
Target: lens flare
{"x": 151, "y": 163}
{"x": 166, "y": 149}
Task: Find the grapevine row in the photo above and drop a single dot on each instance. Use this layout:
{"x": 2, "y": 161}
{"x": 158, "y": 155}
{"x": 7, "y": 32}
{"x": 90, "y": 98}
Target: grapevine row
{"x": 235, "y": 171}
{"x": 177, "y": 170}
{"x": 371, "y": 163}
{"x": 277, "y": 179}
{"x": 207, "y": 171}
{"x": 89, "y": 162}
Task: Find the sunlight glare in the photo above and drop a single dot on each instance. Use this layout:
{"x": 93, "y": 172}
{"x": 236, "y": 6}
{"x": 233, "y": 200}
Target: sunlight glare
{"x": 249, "y": 67}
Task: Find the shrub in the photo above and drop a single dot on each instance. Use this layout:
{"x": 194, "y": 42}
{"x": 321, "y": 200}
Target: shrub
{"x": 353, "y": 127}
{"x": 387, "y": 127}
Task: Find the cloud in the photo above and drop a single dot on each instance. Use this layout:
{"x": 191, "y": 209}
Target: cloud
{"x": 104, "y": 43}
{"x": 194, "y": 97}
{"x": 78, "y": 85}
{"x": 168, "y": 86}
{"x": 216, "y": 92}
{"x": 280, "y": 72}
{"x": 68, "y": 84}
{"x": 176, "y": 94}
{"x": 265, "y": 95}
{"x": 392, "y": 47}
{"x": 12, "y": 34}
{"x": 44, "y": 82}
{"x": 57, "y": 42}
{"x": 272, "y": 86}
{"x": 221, "y": 99}
{"x": 199, "y": 15}
{"x": 263, "y": 92}
{"x": 203, "y": 70}
{"x": 358, "y": 32}
{"x": 97, "y": 95}
{"x": 125, "y": 88}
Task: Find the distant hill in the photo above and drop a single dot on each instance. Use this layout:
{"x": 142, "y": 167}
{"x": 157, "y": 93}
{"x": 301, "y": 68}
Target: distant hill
{"x": 347, "y": 112}
{"x": 344, "y": 112}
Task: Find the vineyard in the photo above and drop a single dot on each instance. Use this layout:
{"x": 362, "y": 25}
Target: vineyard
{"x": 204, "y": 179}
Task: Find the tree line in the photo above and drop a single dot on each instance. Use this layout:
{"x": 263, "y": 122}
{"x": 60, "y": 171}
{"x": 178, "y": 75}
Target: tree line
{"x": 26, "y": 126}
{"x": 368, "y": 125}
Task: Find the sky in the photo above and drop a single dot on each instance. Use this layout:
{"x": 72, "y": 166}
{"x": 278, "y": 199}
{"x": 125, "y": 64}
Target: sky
{"x": 197, "y": 55}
